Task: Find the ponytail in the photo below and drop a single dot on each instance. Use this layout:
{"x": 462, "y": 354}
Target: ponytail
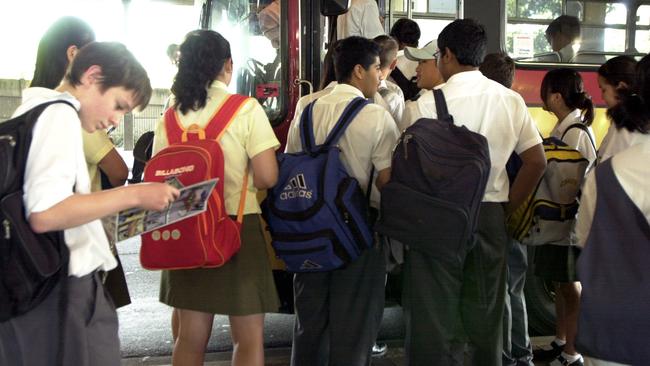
{"x": 630, "y": 113}
{"x": 587, "y": 107}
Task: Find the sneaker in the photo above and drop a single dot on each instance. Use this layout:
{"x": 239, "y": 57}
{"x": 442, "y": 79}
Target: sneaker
{"x": 379, "y": 349}
{"x": 561, "y": 361}
{"x": 547, "y": 354}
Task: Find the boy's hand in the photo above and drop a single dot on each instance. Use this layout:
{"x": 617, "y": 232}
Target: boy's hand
{"x": 156, "y": 196}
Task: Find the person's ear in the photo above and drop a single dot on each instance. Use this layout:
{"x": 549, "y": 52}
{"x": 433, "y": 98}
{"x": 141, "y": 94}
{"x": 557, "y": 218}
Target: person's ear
{"x": 71, "y": 52}
{"x": 92, "y": 75}
{"x": 393, "y": 65}
{"x": 358, "y": 71}
{"x": 228, "y": 66}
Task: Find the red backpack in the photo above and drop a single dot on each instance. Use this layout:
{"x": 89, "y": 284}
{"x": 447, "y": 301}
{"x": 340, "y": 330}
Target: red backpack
{"x": 208, "y": 239}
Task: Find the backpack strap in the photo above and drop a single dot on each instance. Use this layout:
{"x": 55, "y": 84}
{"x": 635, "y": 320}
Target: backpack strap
{"x": 441, "y": 106}
{"x": 223, "y": 116}
{"x": 409, "y": 88}
{"x": 307, "y": 130}
{"x": 580, "y": 126}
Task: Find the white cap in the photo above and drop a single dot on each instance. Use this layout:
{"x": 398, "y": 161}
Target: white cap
{"x": 428, "y": 52}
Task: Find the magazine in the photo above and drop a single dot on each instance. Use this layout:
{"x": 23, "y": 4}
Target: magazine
{"x": 191, "y": 201}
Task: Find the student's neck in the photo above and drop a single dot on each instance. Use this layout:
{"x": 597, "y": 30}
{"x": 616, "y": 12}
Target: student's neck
{"x": 561, "y": 114}
{"x": 66, "y": 87}
{"x": 462, "y": 68}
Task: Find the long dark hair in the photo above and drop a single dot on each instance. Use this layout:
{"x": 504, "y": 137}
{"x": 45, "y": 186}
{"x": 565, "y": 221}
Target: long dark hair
{"x": 569, "y": 84}
{"x": 620, "y": 69}
{"x": 632, "y": 112}
{"x": 203, "y": 55}
{"x": 52, "y": 57}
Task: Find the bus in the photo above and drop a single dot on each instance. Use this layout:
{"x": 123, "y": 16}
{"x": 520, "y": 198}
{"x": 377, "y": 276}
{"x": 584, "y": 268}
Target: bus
{"x": 283, "y": 42}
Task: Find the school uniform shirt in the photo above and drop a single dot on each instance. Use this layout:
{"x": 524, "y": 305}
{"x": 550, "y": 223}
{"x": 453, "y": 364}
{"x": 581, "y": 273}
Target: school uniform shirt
{"x": 361, "y": 19}
{"x": 619, "y": 139}
{"x": 249, "y": 134}
{"x": 632, "y": 171}
{"x": 490, "y": 109}
{"x": 55, "y": 164}
{"x": 576, "y": 137}
{"x": 368, "y": 140}
{"x": 96, "y": 146}
{"x": 393, "y": 97}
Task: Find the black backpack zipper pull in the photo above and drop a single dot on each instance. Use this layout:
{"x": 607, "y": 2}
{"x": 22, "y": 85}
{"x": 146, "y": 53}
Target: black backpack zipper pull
{"x": 7, "y": 226}
{"x": 405, "y": 141}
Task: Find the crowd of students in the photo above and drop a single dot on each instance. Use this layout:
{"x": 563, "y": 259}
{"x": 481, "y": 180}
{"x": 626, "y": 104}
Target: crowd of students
{"x": 451, "y": 311}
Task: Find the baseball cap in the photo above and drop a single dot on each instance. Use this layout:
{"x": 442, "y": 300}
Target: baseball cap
{"x": 428, "y": 52}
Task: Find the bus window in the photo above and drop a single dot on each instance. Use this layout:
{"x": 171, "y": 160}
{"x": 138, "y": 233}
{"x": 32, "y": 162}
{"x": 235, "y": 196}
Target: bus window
{"x": 253, "y": 31}
{"x": 642, "y": 36}
{"x": 580, "y": 31}
{"x": 431, "y": 15}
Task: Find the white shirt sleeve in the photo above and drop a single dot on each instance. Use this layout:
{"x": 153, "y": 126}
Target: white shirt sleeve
{"x": 388, "y": 134}
{"x": 529, "y": 136}
{"x": 586, "y": 209}
{"x": 50, "y": 172}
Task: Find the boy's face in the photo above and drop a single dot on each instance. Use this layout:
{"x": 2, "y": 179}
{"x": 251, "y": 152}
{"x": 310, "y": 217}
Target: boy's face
{"x": 370, "y": 79}
{"x": 100, "y": 110}
{"x": 428, "y": 75}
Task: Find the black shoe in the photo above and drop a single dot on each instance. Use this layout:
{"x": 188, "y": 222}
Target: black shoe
{"x": 546, "y": 355}
{"x": 561, "y": 361}
{"x": 379, "y": 349}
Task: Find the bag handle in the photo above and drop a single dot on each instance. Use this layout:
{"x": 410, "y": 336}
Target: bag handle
{"x": 220, "y": 120}
{"x": 441, "y": 106}
{"x": 584, "y": 128}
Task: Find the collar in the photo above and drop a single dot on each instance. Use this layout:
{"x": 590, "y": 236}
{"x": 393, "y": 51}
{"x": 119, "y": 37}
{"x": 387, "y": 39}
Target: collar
{"x": 38, "y": 95}
{"x": 348, "y": 89}
{"x": 465, "y": 76}
{"x": 218, "y": 84}
{"x": 571, "y": 118}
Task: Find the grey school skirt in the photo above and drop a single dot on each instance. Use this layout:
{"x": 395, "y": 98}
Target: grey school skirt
{"x": 242, "y": 286}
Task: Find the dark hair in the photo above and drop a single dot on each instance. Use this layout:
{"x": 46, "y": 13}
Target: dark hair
{"x": 203, "y": 55}
{"x": 466, "y": 39}
{"x": 387, "y": 50}
{"x": 618, "y": 69}
{"x": 565, "y": 24}
{"x": 633, "y": 112}
{"x": 52, "y": 57}
{"x": 406, "y": 32}
{"x": 569, "y": 84}
{"x": 499, "y": 67}
{"x": 353, "y": 51}
{"x": 328, "y": 67}
{"x": 119, "y": 68}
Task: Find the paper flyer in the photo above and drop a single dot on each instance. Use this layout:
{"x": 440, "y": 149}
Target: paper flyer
{"x": 191, "y": 201}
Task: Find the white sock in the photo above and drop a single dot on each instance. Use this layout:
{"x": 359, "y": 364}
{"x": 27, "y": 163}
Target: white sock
{"x": 559, "y": 342}
{"x": 571, "y": 358}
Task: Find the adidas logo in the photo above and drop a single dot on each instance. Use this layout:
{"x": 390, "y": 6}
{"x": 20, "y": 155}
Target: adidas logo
{"x": 297, "y": 188}
{"x": 309, "y": 265}
{"x": 296, "y": 182}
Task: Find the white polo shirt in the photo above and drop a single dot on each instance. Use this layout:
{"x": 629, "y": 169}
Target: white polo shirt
{"x": 368, "y": 140}
{"x": 393, "y": 97}
{"x": 619, "y": 139}
{"x": 632, "y": 171}
{"x": 55, "y": 164}
{"x": 361, "y": 19}
{"x": 576, "y": 137}
{"x": 486, "y": 107}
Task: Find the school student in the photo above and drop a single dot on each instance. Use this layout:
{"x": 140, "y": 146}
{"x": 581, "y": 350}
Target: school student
{"x": 56, "y": 49}
{"x": 389, "y": 91}
{"x": 448, "y": 304}
{"x": 407, "y": 34}
{"x": 362, "y": 19}
{"x": 517, "y": 349}
{"x": 616, "y": 79}
{"x": 243, "y": 288}
{"x": 103, "y": 82}
{"x": 563, "y": 94}
{"x": 338, "y": 312}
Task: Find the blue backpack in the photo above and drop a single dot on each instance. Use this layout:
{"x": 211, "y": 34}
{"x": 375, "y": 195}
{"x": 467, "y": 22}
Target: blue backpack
{"x": 317, "y": 214}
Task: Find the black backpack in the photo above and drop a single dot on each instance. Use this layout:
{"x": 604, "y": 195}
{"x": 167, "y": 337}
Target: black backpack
{"x": 141, "y": 155}
{"x": 31, "y": 264}
{"x": 438, "y": 179}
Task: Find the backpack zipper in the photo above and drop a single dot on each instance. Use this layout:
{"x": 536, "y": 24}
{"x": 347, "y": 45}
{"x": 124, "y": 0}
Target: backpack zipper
{"x": 10, "y": 139}
{"x": 7, "y": 226}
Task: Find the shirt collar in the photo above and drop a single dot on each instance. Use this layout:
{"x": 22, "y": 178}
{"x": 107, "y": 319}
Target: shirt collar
{"x": 217, "y": 84}
{"x": 571, "y": 118}
{"x": 465, "y": 76}
{"x": 347, "y": 88}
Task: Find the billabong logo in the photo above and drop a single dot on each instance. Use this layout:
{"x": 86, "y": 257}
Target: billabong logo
{"x": 310, "y": 265}
{"x": 297, "y": 188}
{"x": 174, "y": 171}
